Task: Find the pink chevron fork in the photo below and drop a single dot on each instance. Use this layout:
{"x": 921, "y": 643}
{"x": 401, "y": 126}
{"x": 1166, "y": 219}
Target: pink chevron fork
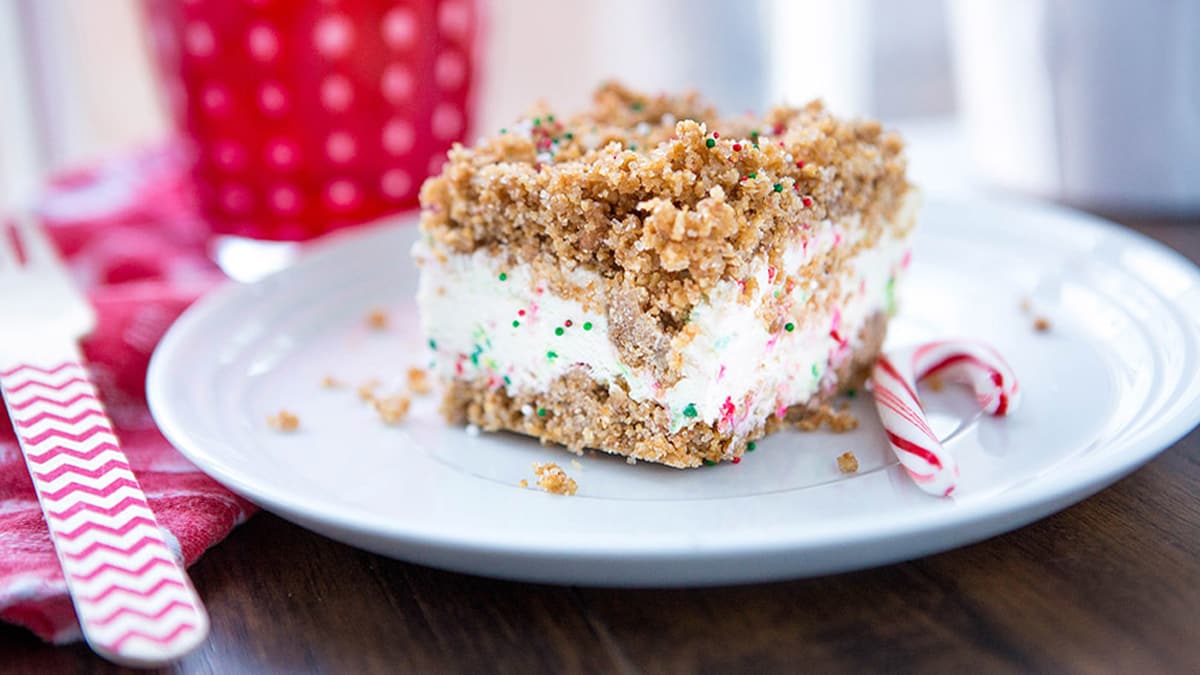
{"x": 135, "y": 603}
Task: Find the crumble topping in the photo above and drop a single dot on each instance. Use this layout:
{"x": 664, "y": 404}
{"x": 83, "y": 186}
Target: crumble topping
{"x": 847, "y": 462}
{"x": 366, "y": 390}
{"x": 392, "y": 409}
{"x": 377, "y": 319}
{"x": 284, "y": 421}
{"x": 418, "y": 381}
{"x": 553, "y": 479}
{"x": 659, "y": 192}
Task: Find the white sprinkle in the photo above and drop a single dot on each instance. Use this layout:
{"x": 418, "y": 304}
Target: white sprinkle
{"x": 575, "y": 463}
{"x": 643, "y": 128}
{"x": 668, "y": 119}
{"x": 472, "y": 430}
{"x": 526, "y": 410}
{"x": 630, "y": 460}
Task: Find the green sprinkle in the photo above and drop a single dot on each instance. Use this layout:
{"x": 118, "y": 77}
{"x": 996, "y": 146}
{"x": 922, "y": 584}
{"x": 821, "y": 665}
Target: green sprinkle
{"x": 690, "y": 410}
{"x": 503, "y": 130}
{"x": 710, "y": 143}
{"x": 636, "y": 106}
{"x": 432, "y": 344}
{"x": 587, "y": 325}
{"x": 750, "y": 446}
{"x": 516, "y": 324}
{"x": 633, "y": 146}
{"x": 816, "y": 371}
{"x": 890, "y": 296}
{"x": 558, "y": 331}
{"x": 752, "y": 174}
{"x": 778, "y": 187}
{"x": 537, "y": 121}
{"x": 541, "y": 412}
{"x": 850, "y": 393}
{"x": 569, "y": 135}
{"x": 552, "y": 355}
{"x": 754, "y": 133}
{"x": 507, "y": 380}
{"x": 549, "y": 118}
{"x": 789, "y": 326}
{"x": 708, "y": 462}
{"x": 503, "y": 276}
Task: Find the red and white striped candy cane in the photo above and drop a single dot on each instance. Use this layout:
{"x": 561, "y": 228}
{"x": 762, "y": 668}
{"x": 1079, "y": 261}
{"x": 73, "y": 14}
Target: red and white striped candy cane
{"x": 893, "y": 383}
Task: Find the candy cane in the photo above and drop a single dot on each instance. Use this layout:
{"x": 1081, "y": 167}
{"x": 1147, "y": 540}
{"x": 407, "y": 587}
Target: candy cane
{"x": 893, "y": 382}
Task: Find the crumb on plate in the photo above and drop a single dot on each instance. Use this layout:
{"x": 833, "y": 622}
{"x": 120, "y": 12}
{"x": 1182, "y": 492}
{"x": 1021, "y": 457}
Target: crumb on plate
{"x": 366, "y": 390}
{"x": 847, "y": 462}
{"x": 1041, "y": 324}
{"x": 418, "y": 381}
{"x": 392, "y": 409}
{"x": 1026, "y": 305}
{"x": 524, "y": 483}
{"x": 283, "y": 421}
{"x": 331, "y": 382}
{"x": 553, "y": 479}
{"x": 377, "y": 319}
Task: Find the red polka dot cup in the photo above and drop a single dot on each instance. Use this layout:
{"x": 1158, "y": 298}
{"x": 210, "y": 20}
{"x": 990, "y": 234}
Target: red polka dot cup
{"x": 304, "y": 116}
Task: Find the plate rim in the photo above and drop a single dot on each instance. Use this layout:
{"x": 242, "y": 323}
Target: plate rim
{"x": 1090, "y": 473}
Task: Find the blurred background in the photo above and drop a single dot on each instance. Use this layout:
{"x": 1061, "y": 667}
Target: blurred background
{"x": 1089, "y": 102}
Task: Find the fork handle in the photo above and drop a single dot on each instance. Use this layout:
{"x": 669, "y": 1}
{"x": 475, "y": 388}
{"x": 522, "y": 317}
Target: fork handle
{"x": 133, "y": 599}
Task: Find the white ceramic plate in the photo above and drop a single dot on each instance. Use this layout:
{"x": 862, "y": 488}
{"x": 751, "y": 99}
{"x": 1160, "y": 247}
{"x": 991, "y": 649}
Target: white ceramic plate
{"x": 1112, "y": 384}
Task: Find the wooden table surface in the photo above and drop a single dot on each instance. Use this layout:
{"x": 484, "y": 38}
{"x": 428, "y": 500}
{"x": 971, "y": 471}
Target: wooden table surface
{"x": 1109, "y": 585}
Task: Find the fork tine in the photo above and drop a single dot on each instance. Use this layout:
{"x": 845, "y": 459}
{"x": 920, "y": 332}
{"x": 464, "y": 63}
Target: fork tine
{"x": 37, "y": 247}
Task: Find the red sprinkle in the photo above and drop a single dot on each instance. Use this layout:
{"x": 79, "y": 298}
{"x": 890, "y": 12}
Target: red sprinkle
{"x": 716, "y": 135}
{"x": 737, "y": 460}
{"x": 737, "y": 147}
{"x": 800, "y": 164}
{"x": 568, "y": 323}
{"x": 807, "y": 202}
{"x": 520, "y": 312}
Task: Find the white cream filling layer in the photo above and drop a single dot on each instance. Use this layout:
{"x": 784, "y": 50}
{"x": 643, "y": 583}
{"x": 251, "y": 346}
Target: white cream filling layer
{"x": 486, "y": 319}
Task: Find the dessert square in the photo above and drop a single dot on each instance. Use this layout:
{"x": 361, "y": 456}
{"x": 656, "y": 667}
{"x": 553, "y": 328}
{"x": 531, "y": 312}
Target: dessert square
{"x": 653, "y": 280}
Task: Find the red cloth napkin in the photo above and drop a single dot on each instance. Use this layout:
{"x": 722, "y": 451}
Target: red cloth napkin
{"x": 132, "y": 238}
